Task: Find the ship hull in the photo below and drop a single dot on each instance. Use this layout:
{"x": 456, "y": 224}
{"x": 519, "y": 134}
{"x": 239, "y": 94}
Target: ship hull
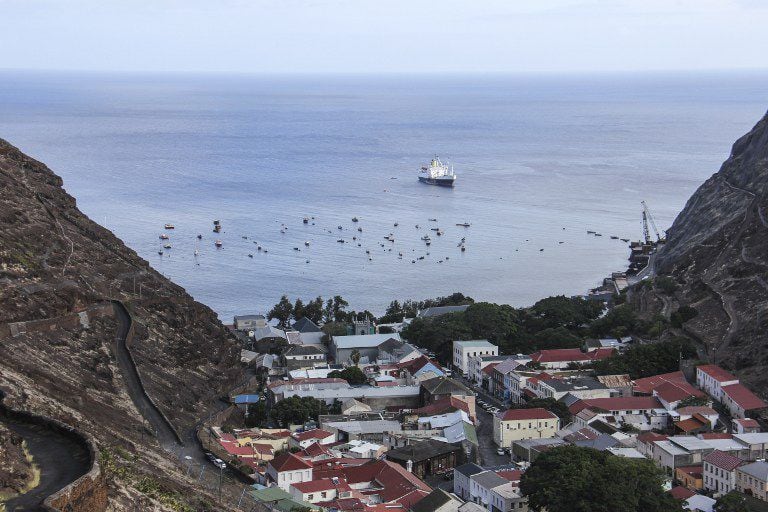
{"x": 437, "y": 181}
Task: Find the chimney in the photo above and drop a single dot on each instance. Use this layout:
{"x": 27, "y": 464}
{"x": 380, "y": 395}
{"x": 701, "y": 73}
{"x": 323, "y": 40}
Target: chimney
{"x": 409, "y": 466}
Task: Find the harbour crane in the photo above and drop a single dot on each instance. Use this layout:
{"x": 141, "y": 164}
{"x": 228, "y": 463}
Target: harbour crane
{"x": 648, "y": 218}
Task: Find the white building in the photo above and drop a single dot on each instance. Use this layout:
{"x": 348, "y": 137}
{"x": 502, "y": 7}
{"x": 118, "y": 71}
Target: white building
{"x": 462, "y": 350}
{"x": 476, "y": 365}
{"x": 461, "y": 482}
{"x": 719, "y": 472}
{"x": 711, "y": 378}
{"x": 289, "y": 469}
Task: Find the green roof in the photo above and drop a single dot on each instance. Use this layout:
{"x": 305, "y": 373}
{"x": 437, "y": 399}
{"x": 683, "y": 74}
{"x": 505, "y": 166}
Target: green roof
{"x": 279, "y": 499}
{"x": 470, "y": 433}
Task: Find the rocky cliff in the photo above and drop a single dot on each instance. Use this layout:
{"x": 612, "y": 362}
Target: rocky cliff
{"x": 717, "y": 251}
{"x": 58, "y": 272}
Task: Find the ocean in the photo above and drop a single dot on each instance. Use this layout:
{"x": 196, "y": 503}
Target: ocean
{"x": 540, "y": 160}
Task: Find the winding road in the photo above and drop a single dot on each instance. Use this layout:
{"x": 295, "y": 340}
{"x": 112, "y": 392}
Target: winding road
{"x": 60, "y": 458}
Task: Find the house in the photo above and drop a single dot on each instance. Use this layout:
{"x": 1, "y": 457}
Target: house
{"x": 367, "y": 345}
{"x": 621, "y": 383}
{"x": 439, "y": 388}
{"x": 275, "y": 498}
{"x": 288, "y": 469}
{"x": 421, "y": 368}
{"x": 517, "y": 424}
{"x": 501, "y": 379}
{"x": 745, "y": 426}
{"x": 303, "y": 356}
{"x": 461, "y": 482}
{"x": 691, "y": 477}
{"x": 396, "y": 351}
{"x": 280, "y": 389}
{"x": 755, "y": 445}
{"x": 740, "y": 401}
{"x": 364, "y": 450}
{"x": 646, "y": 385}
{"x": 320, "y": 491}
{"x": 243, "y": 401}
{"x": 703, "y": 413}
{"x": 268, "y": 331}
{"x": 305, "y": 325}
{"x": 249, "y": 322}
{"x": 476, "y": 364}
{"x": 427, "y": 458}
{"x": 671, "y": 394}
{"x": 308, "y": 437}
{"x": 437, "y": 501}
{"x": 529, "y": 449}
{"x": 562, "y": 358}
{"x": 305, "y": 338}
{"x": 507, "y": 498}
{"x": 699, "y": 503}
{"x": 642, "y": 412}
{"x": 719, "y": 470}
{"x": 711, "y": 378}
{"x": 441, "y": 310}
{"x": 578, "y": 386}
{"x": 462, "y": 350}
{"x": 480, "y": 486}
{"x": 752, "y": 479}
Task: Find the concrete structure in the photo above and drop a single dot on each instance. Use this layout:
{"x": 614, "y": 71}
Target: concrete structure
{"x": 249, "y": 322}
{"x": 507, "y": 498}
{"x": 462, "y": 350}
{"x": 480, "y": 486}
{"x": 752, "y": 479}
{"x": 427, "y": 458}
{"x": 367, "y": 345}
{"x": 303, "y": 356}
{"x": 580, "y": 387}
{"x": 517, "y": 424}
{"x": 308, "y": 437}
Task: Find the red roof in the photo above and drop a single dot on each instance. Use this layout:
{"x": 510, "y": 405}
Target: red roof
{"x": 681, "y": 493}
{"x": 398, "y": 485}
{"x": 536, "y": 413}
{"x": 748, "y": 423}
{"x": 723, "y": 460}
{"x": 717, "y": 373}
{"x": 322, "y": 484}
{"x": 689, "y": 425}
{"x": 697, "y": 409}
{"x": 746, "y": 399}
{"x": 488, "y": 370}
{"x": 289, "y": 462}
{"x": 621, "y": 403}
{"x": 308, "y": 435}
{"x": 694, "y": 471}
{"x": 441, "y": 406}
{"x": 513, "y": 475}
{"x": 562, "y": 355}
{"x": 650, "y": 437}
{"x": 715, "y": 435}
{"x": 241, "y": 451}
{"x": 414, "y": 365}
{"x": 648, "y": 384}
{"x": 315, "y": 450}
{"x": 676, "y": 391}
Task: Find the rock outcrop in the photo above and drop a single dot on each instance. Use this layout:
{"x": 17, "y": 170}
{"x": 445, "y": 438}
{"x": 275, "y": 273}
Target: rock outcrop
{"x": 58, "y": 272}
{"x": 717, "y": 251}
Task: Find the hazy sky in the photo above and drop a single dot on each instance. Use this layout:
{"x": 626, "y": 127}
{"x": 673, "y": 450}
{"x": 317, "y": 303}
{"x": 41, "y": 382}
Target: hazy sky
{"x": 383, "y": 35}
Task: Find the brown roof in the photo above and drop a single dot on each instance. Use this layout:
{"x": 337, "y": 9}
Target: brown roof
{"x": 689, "y": 425}
{"x": 746, "y": 399}
{"x": 622, "y": 403}
{"x": 536, "y": 413}
{"x": 723, "y": 460}
{"x": 716, "y": 372}
{"x": 289, "y": 462}
{"x": 681, "y": 493}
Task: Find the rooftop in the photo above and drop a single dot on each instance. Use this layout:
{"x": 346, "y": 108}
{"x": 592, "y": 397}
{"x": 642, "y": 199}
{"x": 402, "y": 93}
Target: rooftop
{"x": 441, "y": 310}
{"x": 304, "y": 324}
{"x": 489, "y": 479}
{"x": 757, "y": 469}
{"x": 562, "y": 355}
{"x": 536, "y": 413}
{"x": 469, "y": 469}
{"x": 624, "y": 403}
{"x": 363, "y": 340}
{"x": 473, "y": 343}
{"x": 574, "y": 384}
{"x": 746, "y": 399}
{"x": 648, "y": 384}
{"x": 723, "y": 460}
{"x": 312, "y": 434}
{"x": 289, "y": 462}
{"x": 716, "y": 373}
{"x": 421, "y": 450}
{"x": 445, "y": 386}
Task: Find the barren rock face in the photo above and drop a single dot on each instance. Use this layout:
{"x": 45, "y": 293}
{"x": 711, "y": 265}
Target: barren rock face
{"x": 58, "y": 270}
{"x": 15, "y": 469}
{"x": 717, "y": 249}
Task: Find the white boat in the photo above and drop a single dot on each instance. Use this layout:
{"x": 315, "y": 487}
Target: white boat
{"x": 170, "y": 226}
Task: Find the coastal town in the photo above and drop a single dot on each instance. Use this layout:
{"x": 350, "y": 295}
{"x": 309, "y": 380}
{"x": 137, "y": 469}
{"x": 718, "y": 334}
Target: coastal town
{"x": 367, "y": 420}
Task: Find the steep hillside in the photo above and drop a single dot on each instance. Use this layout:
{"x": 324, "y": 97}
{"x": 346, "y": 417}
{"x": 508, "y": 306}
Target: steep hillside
{"x": 58, "y": 270}
{"x": 717, "y": 251}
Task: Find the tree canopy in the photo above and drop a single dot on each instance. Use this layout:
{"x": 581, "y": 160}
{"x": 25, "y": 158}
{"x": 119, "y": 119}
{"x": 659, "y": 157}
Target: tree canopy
{"x": 296, "y": 410}
{"x": 573, "y": 479}
{"x": 351, "y": 374}
{"x": 732, "y": 502}
{"x": 648, "y": 359}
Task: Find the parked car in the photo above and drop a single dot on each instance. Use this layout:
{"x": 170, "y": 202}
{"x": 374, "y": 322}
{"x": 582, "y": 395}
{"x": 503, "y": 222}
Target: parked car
{"x": 500, "y": 451}
{"x": 211, "y": 457}
{"x": 219, "y": 464}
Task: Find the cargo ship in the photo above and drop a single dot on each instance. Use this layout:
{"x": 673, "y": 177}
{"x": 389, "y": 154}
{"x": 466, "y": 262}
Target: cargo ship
{"x": 437, "y": 173}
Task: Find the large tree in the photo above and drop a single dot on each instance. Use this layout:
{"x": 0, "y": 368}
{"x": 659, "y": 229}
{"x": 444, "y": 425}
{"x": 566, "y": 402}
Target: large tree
{"x": 281, "y": 312}
{"x": 297, "y": 411}
{"x": 351, "y": 374}
{"x": 314, "y": 310}
{"x": 732, "y": 502}
{"x": 573, "y": 479}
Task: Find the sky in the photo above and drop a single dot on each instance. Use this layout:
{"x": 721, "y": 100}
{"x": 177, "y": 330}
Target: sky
{"x": 383, "y": 36}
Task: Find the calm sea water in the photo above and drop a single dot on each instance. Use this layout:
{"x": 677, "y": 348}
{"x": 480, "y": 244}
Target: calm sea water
{"x": 540, "y": 161}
